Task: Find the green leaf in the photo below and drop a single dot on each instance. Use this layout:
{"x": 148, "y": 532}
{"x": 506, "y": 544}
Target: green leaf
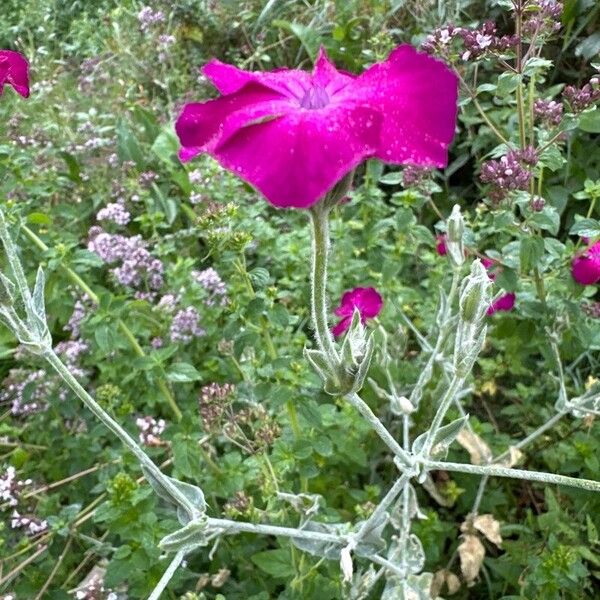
{"x": 585, "y": 228}
{"x": 394, "y": 178}
{"x": 166, "y": 146}
{"x": 530, "y": 252}
{"x": 590, "y": 121}
{"x": 183, "y": 373}
{"x": 547, "y": 219}
{"x": 276, "y": 563}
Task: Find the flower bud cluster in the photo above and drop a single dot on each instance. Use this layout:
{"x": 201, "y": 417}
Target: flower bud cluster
{"x": 475, "y": 42}
{"x": 114, "y": 212}
{"x": 148, "y": 18}
{"x": 185, "y": 326}
{"x": 11, "y": 487}
{"x": 548, "y": 111}
{"x": 212, "y": 283}
{"x": 150, "y": 430}
{"x": 137, "y": 269}
{"x": 511, "y": 172}
{"x": 543, "y": 17}
{"x": 30, "y": 523}
{"x": 94, "y": 590}
{"x": 581, "y": 98}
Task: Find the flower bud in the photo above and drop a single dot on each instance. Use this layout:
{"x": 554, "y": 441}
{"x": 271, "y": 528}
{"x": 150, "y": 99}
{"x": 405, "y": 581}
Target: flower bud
{"x": 454, "y": 242}
{"x": 474, "y": 297}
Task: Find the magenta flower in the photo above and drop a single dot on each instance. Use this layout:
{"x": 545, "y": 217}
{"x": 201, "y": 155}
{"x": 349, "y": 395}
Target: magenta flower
{"x": 585, "y": 267}
{"x": 440, "y": 245}
{"x": 506, "y": 302}
{"x": 14, "y": 69}
{"x": 294, "y": 135}
{"x": 366, "y": 300}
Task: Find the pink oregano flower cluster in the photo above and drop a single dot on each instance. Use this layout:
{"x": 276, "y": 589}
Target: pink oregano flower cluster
{"x": 366, "y": 300}
{"x": 14, "y": 70}
{"x": 293, "y": 134}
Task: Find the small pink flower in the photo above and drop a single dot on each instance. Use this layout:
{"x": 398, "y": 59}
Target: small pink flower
{"x": 585, "y": 267}
{"x": 14, "y": 69}
{"x": 440, "y": 246}
{"x": 366, "y": 300}
{"x": 506, "y": 302}
{"x": 293, "y": 135}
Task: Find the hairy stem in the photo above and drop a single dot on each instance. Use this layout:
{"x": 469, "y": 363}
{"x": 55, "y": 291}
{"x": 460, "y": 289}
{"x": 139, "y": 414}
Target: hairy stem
{"x": 319, "y": 216}
{"x": 495, "y": 471}
{"x": 167, "y": 576}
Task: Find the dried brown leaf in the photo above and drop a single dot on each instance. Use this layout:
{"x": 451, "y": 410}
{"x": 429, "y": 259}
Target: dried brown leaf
{"x": 471, "y": 552}
{"x": 490, "y": 528}
{"x": 478, "y": 450}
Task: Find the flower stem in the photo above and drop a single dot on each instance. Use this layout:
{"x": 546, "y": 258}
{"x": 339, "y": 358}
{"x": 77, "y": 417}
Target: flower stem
{"x": 86, "y": 289}
{"x": 319, "y": 215}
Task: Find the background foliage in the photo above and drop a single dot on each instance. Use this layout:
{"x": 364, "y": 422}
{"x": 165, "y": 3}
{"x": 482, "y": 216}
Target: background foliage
{"x": 98, "y": 128}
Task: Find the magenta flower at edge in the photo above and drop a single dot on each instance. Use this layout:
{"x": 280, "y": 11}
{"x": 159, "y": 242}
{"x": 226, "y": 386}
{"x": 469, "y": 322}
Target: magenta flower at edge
{"x": 14, "y": 69}
{"x": 505, "y": 302}
{"x": 366, "y": 300}
{"x": 440, "y": 244}
{"x": 293, "y": 134}
{"x": 585, "y": 267}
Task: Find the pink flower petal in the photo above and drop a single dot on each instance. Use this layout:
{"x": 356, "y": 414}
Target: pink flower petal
{"x": 342, "y": 326}
{"x": 440, "y": 246}
{"x": 296, "y": 159}
{"x": 504, "y": 303}
{"x": 202, "y": 124}
{"x": 417, "y": 96}
{"x": 14, "y": 69}
{"x": 585, "y": 268}
{"x": 368, "y": 302}
{"x": 228, "y": 79}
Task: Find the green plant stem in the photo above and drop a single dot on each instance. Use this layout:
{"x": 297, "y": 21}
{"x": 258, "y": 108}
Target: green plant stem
{"x": 85, "y": 288}
{"x": 113, "y": 426}
{"x": 479, "y": 108}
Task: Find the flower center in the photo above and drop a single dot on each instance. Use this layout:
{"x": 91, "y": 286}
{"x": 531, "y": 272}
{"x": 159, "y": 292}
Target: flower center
{"x": 315, "y": 97}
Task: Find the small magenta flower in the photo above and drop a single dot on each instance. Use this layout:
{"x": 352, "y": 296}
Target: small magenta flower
{"x": 366, "y": 300}
{"x": 14, "y": 69}
{"x": 293, "y": 134}
{"x": 440, "y": 245}
{"x": 585, "y": 267}
{"x": 505, "y": 302}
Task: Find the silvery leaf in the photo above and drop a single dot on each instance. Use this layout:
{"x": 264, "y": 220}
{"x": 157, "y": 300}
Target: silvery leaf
{"x": 443, "y": 438}
{"x": 193, "y": 493}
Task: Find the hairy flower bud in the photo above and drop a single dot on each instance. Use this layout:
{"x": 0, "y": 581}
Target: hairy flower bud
{"x": 474, "y": 297}
{"x": 454, "y": 242}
